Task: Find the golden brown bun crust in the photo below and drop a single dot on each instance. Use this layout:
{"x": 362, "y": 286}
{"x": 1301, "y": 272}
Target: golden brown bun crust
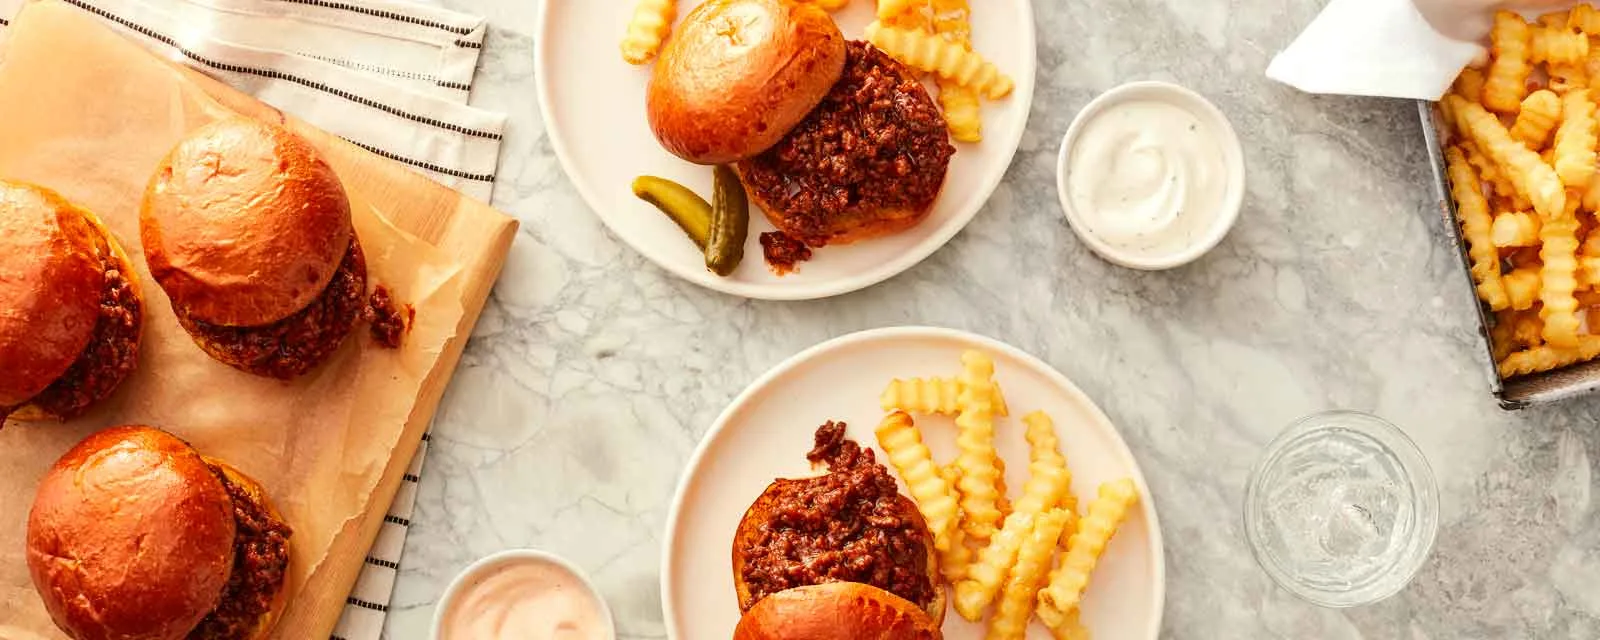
{"x": 244, "y": 223}
{"x": 836, "y": 610}
{"x": 130, "y": 536}
{"x": 258, "y": 494}
{"x": 50, "y": 281}
{"x": 737, "y": 75}
{"x": 748, "y": 535}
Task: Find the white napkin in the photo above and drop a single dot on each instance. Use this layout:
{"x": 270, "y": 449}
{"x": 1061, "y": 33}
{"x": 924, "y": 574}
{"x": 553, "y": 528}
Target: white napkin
{"x": 392, "y": 77}
{"x": 1373, "y": 48}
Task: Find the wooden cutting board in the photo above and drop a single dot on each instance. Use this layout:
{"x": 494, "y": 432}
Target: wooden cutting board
{"x": 87, "y": 112}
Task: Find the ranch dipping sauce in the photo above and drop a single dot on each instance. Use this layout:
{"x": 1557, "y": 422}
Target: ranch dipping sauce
{"x": 1147, "y": 176}
{"x": 522, "y": 598}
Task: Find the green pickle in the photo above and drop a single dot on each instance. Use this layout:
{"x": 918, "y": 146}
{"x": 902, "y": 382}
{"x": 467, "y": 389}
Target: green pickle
{"x": 730, "y": 222}
{"x": 690, "y": 211}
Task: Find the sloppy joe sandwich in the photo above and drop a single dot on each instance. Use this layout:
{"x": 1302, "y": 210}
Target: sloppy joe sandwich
{"x": 70, "y": 311}
{"x": 248, "y": 231}
{"x": 835, "y": 141}
{"x": 134, "y": 534}
{"x": 849, "y": 525}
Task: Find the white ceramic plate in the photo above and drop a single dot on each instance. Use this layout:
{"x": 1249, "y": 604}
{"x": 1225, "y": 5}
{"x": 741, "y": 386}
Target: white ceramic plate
{"x": 593, "y": 107}
{"x": 768, "y": 429}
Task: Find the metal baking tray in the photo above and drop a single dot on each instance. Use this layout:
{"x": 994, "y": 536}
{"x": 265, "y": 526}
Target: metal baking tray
{"x": 1522, "y": 391}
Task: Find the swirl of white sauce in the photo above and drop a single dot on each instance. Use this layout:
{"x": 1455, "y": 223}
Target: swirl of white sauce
{"x": 524, "y": 601}
{"x": 1147, "y": 176}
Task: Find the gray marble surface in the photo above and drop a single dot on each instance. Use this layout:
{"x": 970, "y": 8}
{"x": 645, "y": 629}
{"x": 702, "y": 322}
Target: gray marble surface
{"x": 593, "y": 373}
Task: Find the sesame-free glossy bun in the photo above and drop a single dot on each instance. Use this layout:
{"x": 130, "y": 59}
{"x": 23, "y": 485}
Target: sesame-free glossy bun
{"x": 836, "y": 610}
{"x": 244, "y": 223}
{"x": 737, "y": 75}
{"x": 131, "y": 536}
{"x": 50, "y": 280}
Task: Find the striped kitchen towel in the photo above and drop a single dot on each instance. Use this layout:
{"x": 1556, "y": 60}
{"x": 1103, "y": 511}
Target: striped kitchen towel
{"x": 392, "y": 77}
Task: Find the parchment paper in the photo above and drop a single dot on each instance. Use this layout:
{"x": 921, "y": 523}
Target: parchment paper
{"x": 90, "y": 115}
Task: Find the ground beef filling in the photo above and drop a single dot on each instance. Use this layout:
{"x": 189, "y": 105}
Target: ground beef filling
{"x": 848, "y": 526}
{"x": 784, "y": 254}
{"x": 384, "y": 319}
{"x": 298, "y": 343}
{"x": 875, "y": 144}
{"x": 110, "y": 356}
{"x": 260, "y": 563}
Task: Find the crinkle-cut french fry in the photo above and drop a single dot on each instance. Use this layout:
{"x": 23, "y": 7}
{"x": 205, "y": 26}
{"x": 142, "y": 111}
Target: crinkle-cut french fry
{"x": 1069, "y": 628}
{"x": 1576, "y": 140}
{"x": 1015, "y": 607}
{"x": 953, "y": 562}
{"x": 1531, "y": 177}
{"x": 1522, "y": 287}
{"x": 1044, "y": 489}
{"x": 1489, "y": 173}
{"x": 1071, "y": 576}
{"x": 1470, "y": 83}
{"x": 977, "y": 459}
{"x": 1557, "y": 280}
{"x": 647, "y": 29}
{"x": 1044, "y": 447}
{"x": 1527, "y": 329}
{"x": 1558, "y": 45}
{"x": 1507, "y": 81}
{"x": 902, "y": 441}
{"x": 1515, "y": 229}
{"x": 1546, "y": 358}
{"x": 933, "y": 54}
{"x": 1568, "y": 77}
{"x": 1473, "y": 210}
{"x": 1501, "y": 340}
{"x": 1541, "y": 112}
{"x": 1585, "y": 18}
{"x": 962, "y": 113}
{"x": 939, "y": 396}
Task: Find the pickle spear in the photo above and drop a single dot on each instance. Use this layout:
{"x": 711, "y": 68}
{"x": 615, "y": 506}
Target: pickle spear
{"x": 690, "y": 211}
{"x": 730, "y": 222}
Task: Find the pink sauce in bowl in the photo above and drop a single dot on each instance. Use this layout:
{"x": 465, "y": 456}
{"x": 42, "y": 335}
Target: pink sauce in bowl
{"x": 522, "y": 595}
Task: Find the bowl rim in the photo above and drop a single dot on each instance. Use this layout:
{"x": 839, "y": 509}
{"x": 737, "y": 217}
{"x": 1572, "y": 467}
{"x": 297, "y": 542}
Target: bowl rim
{"x": 453, "y": 590}
{"x": 1233, "y": 157}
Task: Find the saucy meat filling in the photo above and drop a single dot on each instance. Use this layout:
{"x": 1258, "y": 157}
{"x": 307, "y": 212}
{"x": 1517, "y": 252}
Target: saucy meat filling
{"x": 851, "y": 525}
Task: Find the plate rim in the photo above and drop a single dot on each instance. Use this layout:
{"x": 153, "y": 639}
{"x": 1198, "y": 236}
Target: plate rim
{"x": 1023, "y": 92}
{"x": 1146, "y": 503}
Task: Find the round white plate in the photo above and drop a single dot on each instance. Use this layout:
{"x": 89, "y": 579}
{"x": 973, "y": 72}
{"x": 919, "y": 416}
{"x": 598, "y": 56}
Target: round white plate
{"x": 768, "y": 429}
{"x": 593, "y": 107}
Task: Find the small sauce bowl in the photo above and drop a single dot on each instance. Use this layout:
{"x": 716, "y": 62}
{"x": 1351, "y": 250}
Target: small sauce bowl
{"x": 1221, "y": 219}
{"x": 474, "y": 575}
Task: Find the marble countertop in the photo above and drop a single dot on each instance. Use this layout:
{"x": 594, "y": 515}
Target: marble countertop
{"x": 593, "y": 374}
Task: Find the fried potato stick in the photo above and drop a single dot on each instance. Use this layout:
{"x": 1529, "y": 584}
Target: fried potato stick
{"x": 1045, "y": 448}
{"x": 1515, "y": 229}
{"x": 1576, "y": 140}
{"x": 953, "y": 562}
{"x": 1529, "y": 175}
{"x": 1541, "y": 112}
{"x": 1557, "y": 279}
{"x": 1507, "y": 81}
{"x": 1022, "y": 586}
{"x": 1044, "y": 490}
{"x": 938, "y": 396}
{"x": 902, "y": 441}
{"x": 1545, "y": 358}
{"x": 1071, "y": 577}
{"x": 1476, "y": 226}
{"x": 980, "y": 475}
{"x": 962, "y": 113}
{"x": 933, "y": 54}
{"x": 647, "y": 29}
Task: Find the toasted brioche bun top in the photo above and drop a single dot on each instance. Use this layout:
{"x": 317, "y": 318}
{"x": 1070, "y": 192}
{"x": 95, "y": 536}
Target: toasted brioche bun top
{"x": 131, "y": 536}
{"x": 737, "y": 75}
{"x": 244, "y": 223}
{"x": 51, "y": 275}
{"x": 836, "y": 610}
